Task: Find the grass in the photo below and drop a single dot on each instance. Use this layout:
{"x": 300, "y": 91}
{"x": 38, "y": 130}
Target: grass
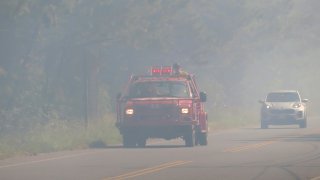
{"x": 226, "y": 118}
{"x": 60, "y": 135}
{"x": 67, "y": 135}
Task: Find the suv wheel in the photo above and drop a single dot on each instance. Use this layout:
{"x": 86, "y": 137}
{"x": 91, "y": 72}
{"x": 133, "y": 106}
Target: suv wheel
{"x": 264, "y": 124}
{"x": 303, "y": 124}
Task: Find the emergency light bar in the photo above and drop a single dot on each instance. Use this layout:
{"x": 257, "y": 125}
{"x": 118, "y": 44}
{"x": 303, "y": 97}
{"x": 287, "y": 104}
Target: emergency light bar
{"x": 161, "y": 70}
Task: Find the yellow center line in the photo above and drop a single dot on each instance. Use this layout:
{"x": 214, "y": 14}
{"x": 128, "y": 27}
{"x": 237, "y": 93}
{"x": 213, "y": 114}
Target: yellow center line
{"x": 248, "y": 147}
{"x": 148, "y": 170}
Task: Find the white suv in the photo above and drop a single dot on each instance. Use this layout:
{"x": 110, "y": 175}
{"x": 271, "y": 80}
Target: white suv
{"x": 282, "y": 108}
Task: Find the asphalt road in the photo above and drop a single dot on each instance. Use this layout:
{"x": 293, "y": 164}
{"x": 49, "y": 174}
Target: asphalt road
{"x": 280, "y": 152}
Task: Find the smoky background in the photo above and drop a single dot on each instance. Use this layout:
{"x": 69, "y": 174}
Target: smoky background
{"x": 66, "y": 60}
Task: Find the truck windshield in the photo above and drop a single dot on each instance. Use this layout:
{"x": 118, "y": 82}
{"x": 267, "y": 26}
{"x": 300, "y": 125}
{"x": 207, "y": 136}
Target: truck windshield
{"x": 159, "y": 89}
{"x": 283, "y": 97}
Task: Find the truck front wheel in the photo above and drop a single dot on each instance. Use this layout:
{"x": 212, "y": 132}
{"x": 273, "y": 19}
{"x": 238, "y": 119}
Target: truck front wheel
{"x": 142, "y": 142}
{"x": 189, "y": 138}
{"x": 128, "y": 141}
{"x": 203, "y": 139}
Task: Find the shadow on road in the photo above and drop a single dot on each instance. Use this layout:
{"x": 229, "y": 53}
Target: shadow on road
{"x": 147, "y": 147}
{"x": 304, "y": 138}
{"x": 153, "y": 144}
{"x": 272, "y": 127}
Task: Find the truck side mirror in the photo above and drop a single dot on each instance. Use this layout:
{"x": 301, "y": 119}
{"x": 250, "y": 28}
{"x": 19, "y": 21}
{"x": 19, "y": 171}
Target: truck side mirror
{"x": 203, "y": 97}
{"x": 261, "y": 101}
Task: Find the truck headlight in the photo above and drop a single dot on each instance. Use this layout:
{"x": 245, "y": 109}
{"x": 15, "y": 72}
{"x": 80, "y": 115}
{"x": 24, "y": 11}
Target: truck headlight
{"x": 184, "y": 110}
{"x": 129, "y": 111}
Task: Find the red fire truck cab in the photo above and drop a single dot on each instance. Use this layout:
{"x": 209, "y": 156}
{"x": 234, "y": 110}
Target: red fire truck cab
{"x": 162, "y": 105}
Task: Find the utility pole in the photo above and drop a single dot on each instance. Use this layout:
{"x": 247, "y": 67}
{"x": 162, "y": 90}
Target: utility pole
{"x": 86, "y": 89}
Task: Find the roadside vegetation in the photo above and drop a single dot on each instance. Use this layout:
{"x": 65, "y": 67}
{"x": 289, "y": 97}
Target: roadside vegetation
{"x": 60, "y": 135}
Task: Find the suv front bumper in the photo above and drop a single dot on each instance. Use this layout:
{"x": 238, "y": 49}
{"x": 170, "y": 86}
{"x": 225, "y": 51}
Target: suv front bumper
{"x": 282, "y": 116}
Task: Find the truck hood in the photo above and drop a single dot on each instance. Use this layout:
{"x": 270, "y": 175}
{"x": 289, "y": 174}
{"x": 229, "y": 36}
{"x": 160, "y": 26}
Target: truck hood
{"x": 174, "y": 101}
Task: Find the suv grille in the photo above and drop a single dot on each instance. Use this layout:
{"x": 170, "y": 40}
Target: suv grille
{"x": 282, "y": 111}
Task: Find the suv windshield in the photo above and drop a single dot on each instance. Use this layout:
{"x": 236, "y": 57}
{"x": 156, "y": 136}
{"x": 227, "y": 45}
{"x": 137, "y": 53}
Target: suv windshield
{"x": 159, "y": 89}
{"x": 283, "y": 97}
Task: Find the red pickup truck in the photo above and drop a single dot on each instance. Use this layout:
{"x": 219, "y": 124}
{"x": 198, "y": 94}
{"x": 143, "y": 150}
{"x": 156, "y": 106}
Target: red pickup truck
{"x": 162, "y": 105}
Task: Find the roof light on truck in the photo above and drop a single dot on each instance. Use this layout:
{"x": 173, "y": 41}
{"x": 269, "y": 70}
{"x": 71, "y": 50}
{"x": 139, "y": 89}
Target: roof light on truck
{"x": 161, "y": 70}
{"x": 166, "y": 70}
{"x": 156, "y": 71}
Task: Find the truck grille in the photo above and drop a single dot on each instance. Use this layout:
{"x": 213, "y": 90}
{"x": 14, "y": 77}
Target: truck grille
{"x": 156, "y": 112}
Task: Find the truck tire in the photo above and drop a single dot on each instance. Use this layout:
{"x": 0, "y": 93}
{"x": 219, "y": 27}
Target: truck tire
{"x": 189, "y": 138}
{"x": 128, "y": 141}
{"x": 203, "y": 139}
{"x": 142, "y": 142}
{"x": 197, "y": 138}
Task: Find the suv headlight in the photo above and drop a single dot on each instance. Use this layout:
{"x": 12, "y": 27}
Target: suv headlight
{"x": 268, "y": 106}
{"x": 296, "y": 105}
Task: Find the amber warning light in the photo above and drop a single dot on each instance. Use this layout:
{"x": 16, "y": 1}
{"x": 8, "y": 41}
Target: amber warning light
{"x": 161, "y": 70}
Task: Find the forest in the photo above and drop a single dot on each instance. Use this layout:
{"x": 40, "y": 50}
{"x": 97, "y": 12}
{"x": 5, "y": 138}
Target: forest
{"x": 63, "y": 61}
